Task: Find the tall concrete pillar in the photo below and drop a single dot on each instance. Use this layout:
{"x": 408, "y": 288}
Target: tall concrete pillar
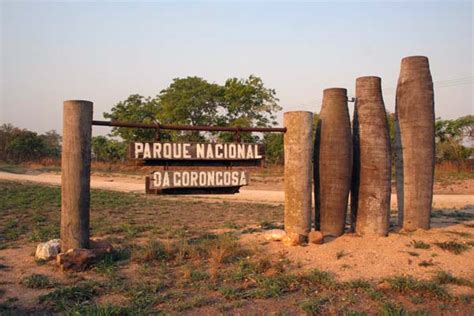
{"x": 298, "y": 173}
{"x": 416, "y": 119}
{"x": 370, "y": 203}
{"x": 75, "y": 174}
{"x": 333, "y": 162}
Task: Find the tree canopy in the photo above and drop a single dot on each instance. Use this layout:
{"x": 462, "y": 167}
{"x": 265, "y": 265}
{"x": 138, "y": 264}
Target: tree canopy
{"x": 195, "y": 101}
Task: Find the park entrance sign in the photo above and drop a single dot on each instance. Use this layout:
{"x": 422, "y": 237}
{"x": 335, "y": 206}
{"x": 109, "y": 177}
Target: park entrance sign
{"x": 195, "y": 151}
{"x": 202, "y": 178}
{"x": 195, "y": 179}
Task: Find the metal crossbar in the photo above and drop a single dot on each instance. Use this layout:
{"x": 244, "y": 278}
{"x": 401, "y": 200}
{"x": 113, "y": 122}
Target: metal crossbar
{"x": 190, "y": 127}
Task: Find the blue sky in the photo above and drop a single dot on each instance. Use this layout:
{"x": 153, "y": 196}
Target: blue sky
{"x": 105, "y": 51}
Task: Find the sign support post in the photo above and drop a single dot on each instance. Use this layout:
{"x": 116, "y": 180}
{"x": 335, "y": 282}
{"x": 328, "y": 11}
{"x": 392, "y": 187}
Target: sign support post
{"x": 298, "y": 147}
{"x": 75, "y": 174}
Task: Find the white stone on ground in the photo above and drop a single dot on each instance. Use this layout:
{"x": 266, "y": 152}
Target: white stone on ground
{"x": 48, "y": 250}
{"x": 275, "y": 234}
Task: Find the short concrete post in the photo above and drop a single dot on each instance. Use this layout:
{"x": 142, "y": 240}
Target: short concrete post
{"x": 370, "y": 194}
{"x": 298, "y": 173}
{"x": 75, "y": 174}
{"x": 416, "y": 121}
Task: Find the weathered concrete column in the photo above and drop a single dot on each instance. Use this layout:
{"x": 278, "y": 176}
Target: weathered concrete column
{"x": 415, "y": 116}
{"x": 370, "y": 202}
{"x": 75, "y": 174}
{"x": 298, "y": 173}
{"x": 333, "y": 162}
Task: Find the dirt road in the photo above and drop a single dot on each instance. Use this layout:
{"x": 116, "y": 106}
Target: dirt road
{"x": 136, "y": 185}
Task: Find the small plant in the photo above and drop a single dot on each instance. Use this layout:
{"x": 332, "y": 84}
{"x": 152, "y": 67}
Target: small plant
{"x": 231, "y": 225}
{"x": 460, "y": 215}
{"x": 196, "y": 301}
{"x": 350, "y": 312}
{"x": 37, "y": 281}
{"x": 453, "y": 246}
{"x": 223, "y": 250}
{"x": 314, "y": 306}
{"x": 108, "y": 263}
{"x": 413, "y": 254}
{"x": 67, "y": 297}
{"x": 357, "y": 284}
{"x": 268, "y": 225}
{"x": 232, "y": 293}
{"x": 321, "y": 278}
{"x": 340, "y": 254}
{"x": 408, "y": 284}
{"x": 391, "y": 309}
{"x": 274, "y": 286}
{"x": 443, "y": 277}
{"x": 155, "y": 250}
{"x": 98, "y": 310}
{"x": 426, "y": 263}
{"x": 418, "y": 244}
{"x": 460, "y": 234}
{"x": 197, "y": 275}
{"x": 417, "y": 299}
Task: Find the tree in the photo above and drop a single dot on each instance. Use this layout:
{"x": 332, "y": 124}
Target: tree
{"x": 135, "y": 108}
{"x": 7, "y": 133}
{"x": 190, "y": 101}
{"x": 26, "y": 146}
{"x": 248, "y": 103}
{"x": 274, "y": 152}
{"x": 459, "y": 129}
{"x": 52, "y": 141}
{"x": 450, "y": 136}
{"x": 194, "y": 101}
{"x": 105, "y": 149}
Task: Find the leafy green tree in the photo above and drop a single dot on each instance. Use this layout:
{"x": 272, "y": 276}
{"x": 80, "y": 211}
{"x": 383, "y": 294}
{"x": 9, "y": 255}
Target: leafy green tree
{"x": 52, "y": 141}
{"x": 459, "y": 129}
{"x": 273, "y": 143}
{"x": 135, "y": 108}
{"x": 105, "y": 149}
{"x": 247, "y": 103}
{"x": 7, "y": 133}
{"x": 194, "y": 101}
{"x": 190, "y": 101}
{"x": 26, "y": 146}
{"x": 450, "y": 136}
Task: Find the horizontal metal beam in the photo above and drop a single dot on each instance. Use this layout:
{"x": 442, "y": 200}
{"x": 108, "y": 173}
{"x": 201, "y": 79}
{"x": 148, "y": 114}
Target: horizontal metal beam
{"x": 190, "y": 127}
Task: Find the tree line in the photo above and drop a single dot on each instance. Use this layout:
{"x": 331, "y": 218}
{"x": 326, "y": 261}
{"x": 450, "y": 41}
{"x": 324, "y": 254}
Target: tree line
{"x": 195, "y": 101}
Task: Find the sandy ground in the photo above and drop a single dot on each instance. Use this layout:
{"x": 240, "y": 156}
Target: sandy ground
{"x": 377, "y": 258}
{"x": 366, "y": 258}
{"x": 247, "y": 194}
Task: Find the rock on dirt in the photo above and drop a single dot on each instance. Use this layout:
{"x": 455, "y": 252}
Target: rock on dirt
{"x": 316, "y": 237}
{"x": 294, "y": 239}
{"x": 275, "y": 234}
{"x": 80, "y": 259}
{"x": 48, "y": 250}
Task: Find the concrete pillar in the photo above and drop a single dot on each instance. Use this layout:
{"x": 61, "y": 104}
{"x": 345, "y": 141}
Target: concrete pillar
{"x": 298, "y": 173}
{"x": 372, "y": 164}
{"x": 75, "y": 174}
{"x": 333, "y": 158}
{"x": 416, "y": 119}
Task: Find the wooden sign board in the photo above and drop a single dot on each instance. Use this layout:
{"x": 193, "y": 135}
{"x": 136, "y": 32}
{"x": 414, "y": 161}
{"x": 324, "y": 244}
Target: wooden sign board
{"x": 196, "y": 181}
{"x": 193, "y": 154}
